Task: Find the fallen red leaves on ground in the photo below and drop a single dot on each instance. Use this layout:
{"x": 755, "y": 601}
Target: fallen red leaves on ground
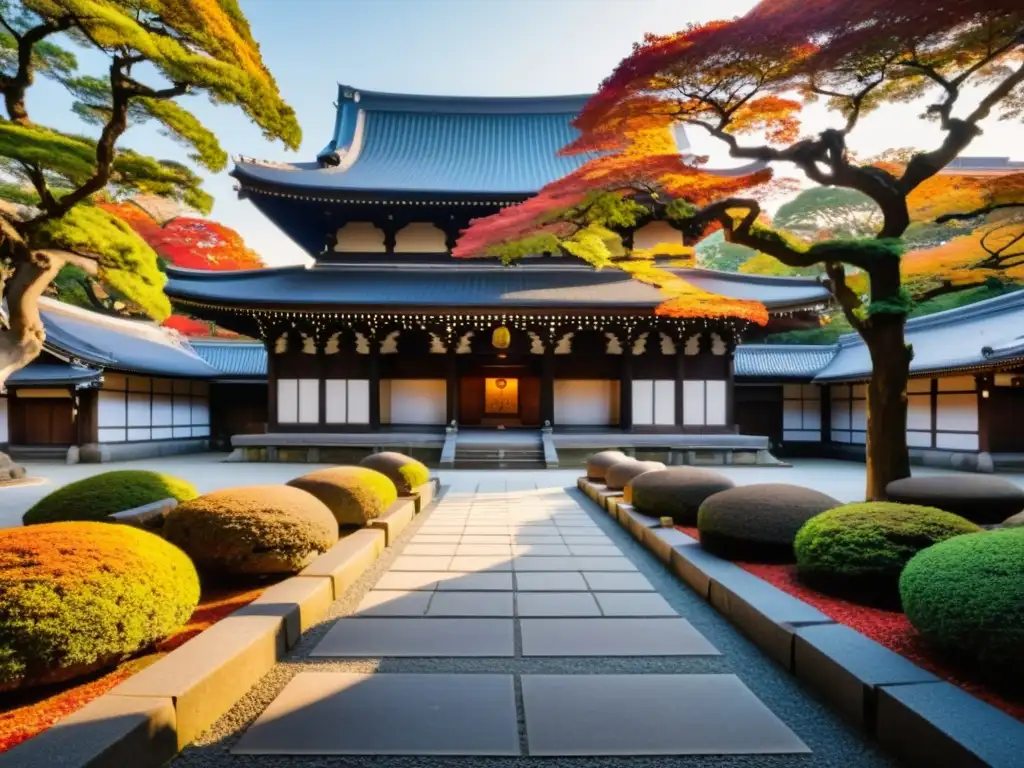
{"x": 29, "y": 713}
{"x": 888, "y": 628}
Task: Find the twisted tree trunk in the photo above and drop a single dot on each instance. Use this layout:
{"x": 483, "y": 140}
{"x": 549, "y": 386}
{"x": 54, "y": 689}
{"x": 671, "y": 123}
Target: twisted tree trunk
{"x": 887, "y": 455}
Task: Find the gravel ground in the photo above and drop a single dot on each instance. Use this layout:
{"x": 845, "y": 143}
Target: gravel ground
{"x": 832, "y": 743}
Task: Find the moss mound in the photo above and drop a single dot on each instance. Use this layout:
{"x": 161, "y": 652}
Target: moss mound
{"x": 758, "y": 523}
{"x": 618, "y": 475}
{"x": 598, "y": 463}
{"x": 97, "y": 497}
{"x": 859, "y": 550}
{"x": 79, "y": 596}
{"x": 355, "y": 495}
{"x": 676, "y": 492}
{"x": 255, "y": 530}
{"x": 404, "y": 471}
{"x": 982, "y": 499}
{"x": 966, "y": 597}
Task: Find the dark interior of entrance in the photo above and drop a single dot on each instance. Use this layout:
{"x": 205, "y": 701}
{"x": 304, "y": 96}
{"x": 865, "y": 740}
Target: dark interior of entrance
{"x": 500, "y": 396}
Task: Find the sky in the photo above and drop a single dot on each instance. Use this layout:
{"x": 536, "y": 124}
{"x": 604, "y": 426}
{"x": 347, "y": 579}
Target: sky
{"x": 451, "y": 47}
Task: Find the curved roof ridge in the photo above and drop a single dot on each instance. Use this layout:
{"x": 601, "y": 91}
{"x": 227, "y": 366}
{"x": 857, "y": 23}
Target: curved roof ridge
{"x": 462, "y": 104}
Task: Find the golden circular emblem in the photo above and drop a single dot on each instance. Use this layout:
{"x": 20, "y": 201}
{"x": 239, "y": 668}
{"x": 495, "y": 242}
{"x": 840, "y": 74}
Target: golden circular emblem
{"x": 500, "y": 383}
{"x": 501, "y": 338}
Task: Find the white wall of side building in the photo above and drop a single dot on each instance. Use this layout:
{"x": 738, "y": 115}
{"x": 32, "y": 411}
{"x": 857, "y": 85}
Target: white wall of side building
{"x": 586, "y": 402}
{"x": 413, "y": 401}
{"x": 141, "y": 408}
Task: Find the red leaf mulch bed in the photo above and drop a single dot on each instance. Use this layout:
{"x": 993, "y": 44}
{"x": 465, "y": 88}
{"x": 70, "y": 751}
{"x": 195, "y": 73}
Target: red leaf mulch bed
{"x": 24, "y": 714}
{"x": 888, "y": 628}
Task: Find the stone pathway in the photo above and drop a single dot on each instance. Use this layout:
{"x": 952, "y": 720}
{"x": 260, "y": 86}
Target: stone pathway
{"x": 515, "y": 622}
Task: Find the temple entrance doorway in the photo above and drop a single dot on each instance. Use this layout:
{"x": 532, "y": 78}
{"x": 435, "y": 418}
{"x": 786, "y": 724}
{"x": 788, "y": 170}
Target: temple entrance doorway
{"x": 500, "y": 396}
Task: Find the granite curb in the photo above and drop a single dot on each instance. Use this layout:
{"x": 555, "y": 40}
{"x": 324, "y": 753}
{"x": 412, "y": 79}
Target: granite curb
{"x": 912, "y": 713}
{"x": 146, "y": 720}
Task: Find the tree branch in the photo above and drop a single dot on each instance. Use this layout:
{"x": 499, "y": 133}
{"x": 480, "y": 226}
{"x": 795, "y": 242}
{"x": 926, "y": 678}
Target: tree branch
{"x": 14, "y": 87}
{"x": 848, "y": 300}
{"x": 965, "y": 215}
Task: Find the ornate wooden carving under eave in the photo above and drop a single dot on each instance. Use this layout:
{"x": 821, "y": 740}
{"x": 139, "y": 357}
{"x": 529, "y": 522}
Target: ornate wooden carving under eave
{"x": 464, "y": 347}
{"x": 536, "y": 343}
{"x": 333, "y": 345}
{"x": 614, "y": 346}
{"x": 719, "y": 346}
{"x": 308, "y": 343}
{"x": 692, "y": 346}
{"x": 437, "y": 346}
{"x": 668, "y": 345}
{"x": 564, "y": 345}
{"x": 281, "y": 344}
{"x": 389, "y": 345}
{"x": 360, "y": 237}
{"x": 640, "y": 344}
{"x": 362, "y": 344}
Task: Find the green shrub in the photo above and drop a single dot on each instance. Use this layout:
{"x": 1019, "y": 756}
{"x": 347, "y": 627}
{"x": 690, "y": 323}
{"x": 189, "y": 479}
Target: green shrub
{"x": 860, "y": 549}
{"x": 966, "y": 596}
{"x": 759, "y": 522}
{"x": 97, "y": 497}
{"x": 404, "y": 471}
{"x": 355, "y": 495}
{"x": 78, "y": 596}
{"x": 676, "y": 492}
{"x": 254, "y": 530}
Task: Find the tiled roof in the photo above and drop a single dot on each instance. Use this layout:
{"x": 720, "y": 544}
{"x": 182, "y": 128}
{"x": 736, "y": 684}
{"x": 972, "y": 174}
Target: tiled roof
{"x": 52, "y": 373}
{"x": 241, "y": 359}
{"x": 976, "y": 336}
{"x": 782, "y": 361}
{"x": 124, "y": 345}
{"x": 548, "y": 285}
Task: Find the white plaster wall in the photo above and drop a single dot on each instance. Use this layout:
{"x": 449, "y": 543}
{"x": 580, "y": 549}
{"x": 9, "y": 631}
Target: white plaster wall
{"x": 335, "y": 401}
{"x": 693, "y": 403}
{"x": 714, "y": 403}
{"x": 643, "y": 402}
{"x": 919, "y": 439}
{"x": 664, "y": 402}
{"x": 5, "y": 434}
{"x": 110, "y": 410}
{"x": 288, "y": 401}
{"x": 957, "y": 412}
{"x": 955, "y": 441}
{"x": 163, "y": 410}
{"x": 138, "y": 411}
{"x": 919, "y": 412}
{"x": 919, "y": 385}
{"x": 590, "y": 402}
{"x": 359, "y": 401}
{"x": 309, "y": 401}
{"x": 957, "y": 384}
{"x": 418, "y": 401}
{"x": 792, "y": 414}
{"x": 111, "y": 435}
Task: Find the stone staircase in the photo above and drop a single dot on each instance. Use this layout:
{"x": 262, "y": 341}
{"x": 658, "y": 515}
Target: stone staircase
{"x": 499, "y": 450}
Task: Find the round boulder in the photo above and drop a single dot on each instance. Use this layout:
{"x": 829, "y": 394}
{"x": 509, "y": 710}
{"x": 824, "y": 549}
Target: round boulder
{"x": 1015, "y": 521}
{"x": 355, "y": 495}
{"x": 404, "y": 471}
{"x": 675, "y": 492}
{"x": 79, "y": 596}
{"x": 618, "y": 475}
{"x": 758, "y": 523}
{"x": 983, "y": 499}
{"x": 859, "y": 550}
{"x": 254, "y": 530}
{"x": 964, "y": 596}
{"x": 598, "y": 463}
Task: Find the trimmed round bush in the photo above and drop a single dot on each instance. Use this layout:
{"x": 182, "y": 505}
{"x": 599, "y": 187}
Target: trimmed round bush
{"x": 254, "y": 530}
{"x": 759, "y": 522}
{"x": 598, "y": 463}
{"x": 676, "y": 492}
{"x": 79, "y": 596}
{"x": 355, "y": 495}
{"x": 99, "y": 496}
{"x": 983, "y": 499}
{"x": 860, "y": 549}
{"x": 966, "y": 596}
{"x": 618, "y": 475}
{"x": 404, "y": 471}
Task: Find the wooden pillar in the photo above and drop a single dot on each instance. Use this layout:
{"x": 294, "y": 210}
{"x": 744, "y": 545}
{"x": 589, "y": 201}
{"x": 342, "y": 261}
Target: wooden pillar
{"x": 547, "y": 386}
{"x": 826, "y": 413}
{"x": 374, "y": 381}
{"x": 272, "y": 423}
{"x": 626, "y": 388}
{"x": 680, "y": 378}
{"x": 730, "y": 391}
{"x": 86, "y": 401}
{"x": 452, "y": 385}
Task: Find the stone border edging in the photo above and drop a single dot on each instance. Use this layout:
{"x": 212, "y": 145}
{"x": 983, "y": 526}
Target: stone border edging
{"x": 147, "y": 719}
{"x": 911, "y": 712}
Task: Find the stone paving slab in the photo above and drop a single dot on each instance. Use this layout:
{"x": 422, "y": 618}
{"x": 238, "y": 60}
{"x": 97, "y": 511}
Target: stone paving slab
{"x": 596, "y": 715}
{"x": 617, "y": 582}
{"x": 613, "y": 637}
{"x": 564, "y": 581}
{"x": 421, "y": 563}
{"x": 330, "y": 713}
{"x": 418, "y": 637}
{"x": 383, "y": 603}
{"x": 470, "y": 604}
{"x": 633, "y": 604}
{"x": 528, "y": 563}
{"x": 476, "y": 582}
{"x": 556, "y": 604}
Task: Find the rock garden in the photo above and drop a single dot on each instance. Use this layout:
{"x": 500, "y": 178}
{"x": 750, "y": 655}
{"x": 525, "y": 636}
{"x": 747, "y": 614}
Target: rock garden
{"x": 935, "y": 574}
{"x": 110, "y": 574}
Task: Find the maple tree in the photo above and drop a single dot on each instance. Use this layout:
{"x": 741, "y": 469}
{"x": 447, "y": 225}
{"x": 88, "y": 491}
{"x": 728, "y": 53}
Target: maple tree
{"x": 744, "y": 83}
{"x": 156, "y": 52}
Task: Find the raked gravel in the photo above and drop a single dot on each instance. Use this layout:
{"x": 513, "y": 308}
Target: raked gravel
{"x": 831, "y": 741}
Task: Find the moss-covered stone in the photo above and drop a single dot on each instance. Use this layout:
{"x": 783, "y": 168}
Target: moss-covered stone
{"x": 759, "y": 522}
{"x": 676, "y": 492}
{"x": 966, "y": 596}
{"x": 78, "y": 596}
{"x": 619, "y": 474}
{"x": 598, "y": 463}
{"x": 404, "y": 471}
{"x": 254, "y": 530}
{"x": 983, "y": 499}
{"x": 355, "y": 495}
{"x": 99, "y": 496}
{"x": 859, "y": 550}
